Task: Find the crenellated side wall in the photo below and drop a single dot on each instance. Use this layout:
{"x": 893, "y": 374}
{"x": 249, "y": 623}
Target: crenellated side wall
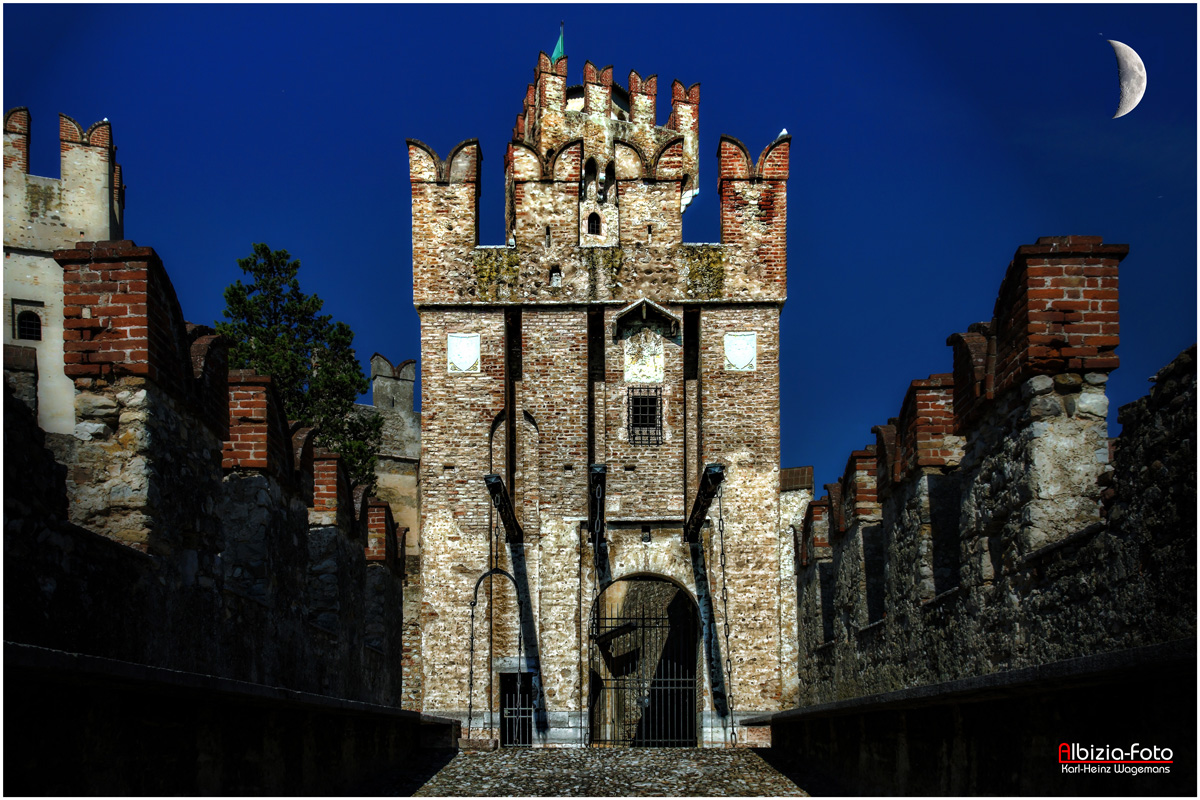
{"x": 987, "y": 535}
{"x": 398, "y": 485}
{"x": 184, "y": 526}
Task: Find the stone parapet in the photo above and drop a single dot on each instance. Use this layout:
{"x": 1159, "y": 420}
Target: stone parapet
{"x": 172, "y": 522}
{"x": 989, "y": 540}
{"x": 1056, "y": 312}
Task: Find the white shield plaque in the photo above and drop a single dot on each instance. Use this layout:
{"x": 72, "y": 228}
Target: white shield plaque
{"x": 462, "y": 350}
{"x": 741, "y": 352}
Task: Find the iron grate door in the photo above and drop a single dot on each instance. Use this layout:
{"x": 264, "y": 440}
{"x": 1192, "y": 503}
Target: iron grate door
{"x": 516, "y": 709}
{"x": 643, "y": 657}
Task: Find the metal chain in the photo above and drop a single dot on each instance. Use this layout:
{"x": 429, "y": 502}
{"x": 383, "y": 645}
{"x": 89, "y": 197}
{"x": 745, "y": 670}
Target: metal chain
{"x": 595, "y": 581}
{"x": 471, "y": 674}
{"x": 596, "y": 551}
{"x": 725, "y": 615}
{"x": 493, "y": 563}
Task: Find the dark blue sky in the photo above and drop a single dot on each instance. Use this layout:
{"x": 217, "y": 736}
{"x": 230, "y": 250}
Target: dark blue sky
{"x": 928, "y": 143}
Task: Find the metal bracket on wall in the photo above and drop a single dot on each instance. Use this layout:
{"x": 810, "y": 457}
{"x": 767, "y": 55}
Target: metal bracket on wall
{"x": 503, "y": 504}
{"x": 710, "y": 482}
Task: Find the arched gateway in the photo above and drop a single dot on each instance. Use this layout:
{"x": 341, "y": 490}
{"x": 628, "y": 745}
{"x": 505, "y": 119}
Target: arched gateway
{"x": 643, "y": 658}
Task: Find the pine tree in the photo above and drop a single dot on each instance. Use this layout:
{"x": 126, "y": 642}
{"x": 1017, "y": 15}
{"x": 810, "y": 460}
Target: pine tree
{"x": 275, "y": 329}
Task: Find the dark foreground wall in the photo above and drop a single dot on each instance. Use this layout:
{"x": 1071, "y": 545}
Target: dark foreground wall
{"x": 80, "y": 725}
{"x": 1000, "y": 734}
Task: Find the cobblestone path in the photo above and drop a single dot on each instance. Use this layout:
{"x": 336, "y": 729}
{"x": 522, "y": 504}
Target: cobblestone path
{"x": 588, "y": 772}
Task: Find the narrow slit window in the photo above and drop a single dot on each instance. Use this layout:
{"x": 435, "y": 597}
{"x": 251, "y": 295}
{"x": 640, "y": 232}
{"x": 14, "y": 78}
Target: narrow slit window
{"x": 547, "y": 236}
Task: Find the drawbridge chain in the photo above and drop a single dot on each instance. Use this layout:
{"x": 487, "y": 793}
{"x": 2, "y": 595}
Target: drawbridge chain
{"x": 725, "y": 615}
{"x": 493, "y": 570}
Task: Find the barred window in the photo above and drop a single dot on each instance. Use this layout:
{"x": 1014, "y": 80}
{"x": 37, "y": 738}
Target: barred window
{"x": 594, "y": 223}
{"x": 29, "y": 326}
{"x": 645, "y": 415}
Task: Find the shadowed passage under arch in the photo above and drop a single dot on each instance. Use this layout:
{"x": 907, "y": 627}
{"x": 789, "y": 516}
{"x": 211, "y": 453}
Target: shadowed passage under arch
{"x": 643, "y": 662}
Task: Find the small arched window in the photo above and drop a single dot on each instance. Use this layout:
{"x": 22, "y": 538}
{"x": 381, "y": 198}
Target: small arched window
{"x": 29, "y": 326}
{"x": 556, "y": 275}
{"x": 594, "y": 223}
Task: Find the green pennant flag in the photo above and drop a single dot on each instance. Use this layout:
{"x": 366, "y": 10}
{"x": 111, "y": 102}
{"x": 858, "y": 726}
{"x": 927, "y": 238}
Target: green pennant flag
{"x": 559, "y": 52}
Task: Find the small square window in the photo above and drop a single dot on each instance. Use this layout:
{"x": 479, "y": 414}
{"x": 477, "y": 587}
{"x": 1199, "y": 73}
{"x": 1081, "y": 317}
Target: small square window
{"x": 29, "y": 326}
{"x": 645, "y": 415}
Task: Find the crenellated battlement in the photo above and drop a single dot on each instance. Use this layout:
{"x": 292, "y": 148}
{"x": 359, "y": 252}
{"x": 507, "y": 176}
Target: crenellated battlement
{"x": 983, "y": 471}
{"x": 594, "y": 198}
{"x": 86, "y": 201}
{"x": 41, "y": 215}
{"x": 1012, "y": 535}
{"x": 1043, "y": 359}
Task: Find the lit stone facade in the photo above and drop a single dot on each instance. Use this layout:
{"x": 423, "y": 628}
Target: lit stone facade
{"x": 42, "y": 215}
{"x": 597, "y": 337}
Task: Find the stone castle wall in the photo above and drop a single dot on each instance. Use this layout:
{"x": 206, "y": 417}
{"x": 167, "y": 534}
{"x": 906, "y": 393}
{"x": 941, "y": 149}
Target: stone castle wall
{"x": 971, "y": 538}
{"x": 42, "y": 215}
{"x": 531, "y": 356}
{"x": 183, "y": 524}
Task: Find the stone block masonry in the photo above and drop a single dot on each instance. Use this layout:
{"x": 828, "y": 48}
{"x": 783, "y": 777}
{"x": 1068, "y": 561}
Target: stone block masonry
{"x": 595, "y": 336}
{"x": 41, "y": 215}
{"x": 186, "y": 533}
{"x": 1003, "y": 541}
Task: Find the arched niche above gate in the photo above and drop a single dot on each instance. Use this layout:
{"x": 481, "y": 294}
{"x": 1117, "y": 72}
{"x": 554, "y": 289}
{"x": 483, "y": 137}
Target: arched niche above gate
{"x": 643, "y": 326}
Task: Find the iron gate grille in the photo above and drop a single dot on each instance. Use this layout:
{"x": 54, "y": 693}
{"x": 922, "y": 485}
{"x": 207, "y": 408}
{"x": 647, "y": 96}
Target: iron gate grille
{"x": 645, "y": 415}
{"x": 516, "y": 709}
{"x": 643, "y": 669}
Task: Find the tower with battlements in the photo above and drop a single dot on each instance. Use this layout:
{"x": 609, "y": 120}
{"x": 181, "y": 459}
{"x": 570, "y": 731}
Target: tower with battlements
{"x": 41, "y": 215}
{"x": 600, "y": 551}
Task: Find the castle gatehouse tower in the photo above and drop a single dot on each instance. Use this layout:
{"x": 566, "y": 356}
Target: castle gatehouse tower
{"x": 601, "y": 557}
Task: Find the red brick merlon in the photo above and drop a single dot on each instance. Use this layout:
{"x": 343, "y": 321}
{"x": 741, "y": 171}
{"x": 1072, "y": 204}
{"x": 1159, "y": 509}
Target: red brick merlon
{"x": 753, "y": 203}
{"x": 121, "y": 318}
{"x": 1056, "y": 312}
{"x": 445, "y": 204}
{"x": 16, "y": 139}
{"x": 259, "y": 438}
{"x": 556, "y": 70}
{"x": 814, "y": 531}
{"x": 597, "y": 88}
{"x": 859, "y": 492}
{"x": 685, "y": 108}
{"x": 643, "y": 98}
{"x": 926, "y": 420}
{"x": 333, "y": 499}
{"x": 385, "y": 542}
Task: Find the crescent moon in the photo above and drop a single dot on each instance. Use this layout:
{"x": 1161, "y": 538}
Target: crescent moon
{"x": 1132, "y": 73}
